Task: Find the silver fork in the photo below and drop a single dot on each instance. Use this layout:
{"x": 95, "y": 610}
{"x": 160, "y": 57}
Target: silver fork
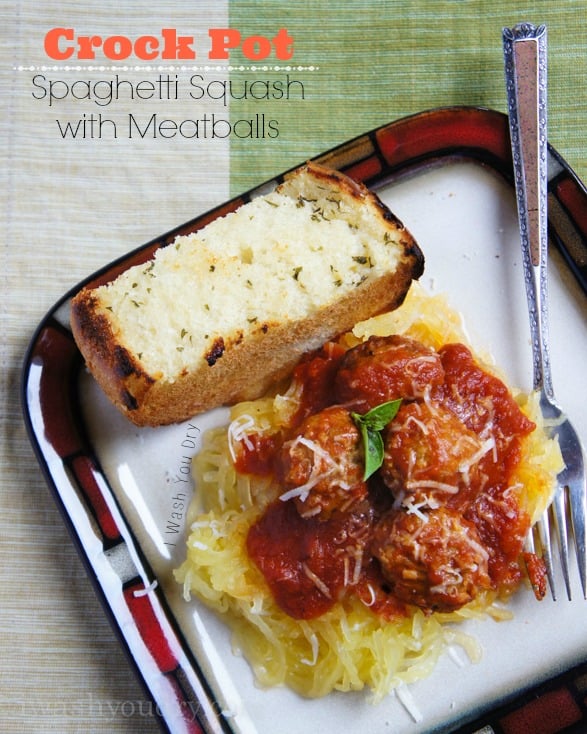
{"x": 525, "y": 71}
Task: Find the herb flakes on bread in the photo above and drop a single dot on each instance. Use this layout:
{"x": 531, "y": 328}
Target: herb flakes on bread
{"x": 220, "y": 315}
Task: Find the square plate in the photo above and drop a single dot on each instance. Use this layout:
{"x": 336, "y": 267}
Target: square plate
{"x": 124, "y": 491}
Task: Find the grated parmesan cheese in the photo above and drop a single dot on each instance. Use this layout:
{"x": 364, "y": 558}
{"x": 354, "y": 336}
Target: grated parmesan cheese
{"x": 317, "y": 581}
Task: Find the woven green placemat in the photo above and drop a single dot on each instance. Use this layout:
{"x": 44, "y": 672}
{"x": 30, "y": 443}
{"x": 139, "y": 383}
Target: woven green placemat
{"x": 378, "y": 61}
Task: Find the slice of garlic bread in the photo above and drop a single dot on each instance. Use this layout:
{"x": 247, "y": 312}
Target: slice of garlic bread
{"x": 219, "y": 315}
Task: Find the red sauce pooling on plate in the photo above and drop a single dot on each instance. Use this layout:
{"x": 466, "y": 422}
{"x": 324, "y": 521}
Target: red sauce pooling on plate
{"x": 439, "y": 522}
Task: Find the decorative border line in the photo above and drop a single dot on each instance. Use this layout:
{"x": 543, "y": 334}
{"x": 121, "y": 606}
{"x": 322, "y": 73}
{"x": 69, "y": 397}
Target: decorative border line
{"x": 162, "y": 67}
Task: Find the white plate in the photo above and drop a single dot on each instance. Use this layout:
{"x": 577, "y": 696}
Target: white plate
{"x": 463, "y": 216}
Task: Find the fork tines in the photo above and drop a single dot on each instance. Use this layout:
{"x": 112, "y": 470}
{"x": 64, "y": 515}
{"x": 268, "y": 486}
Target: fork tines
{"x": 564, "y": 520}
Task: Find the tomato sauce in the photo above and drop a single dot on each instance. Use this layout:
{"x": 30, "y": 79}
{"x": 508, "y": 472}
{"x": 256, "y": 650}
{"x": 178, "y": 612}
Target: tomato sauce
{"x": 316, "y": 373}
{"x": 256, "y": 456}
{"x": 483, "y": 402}
{"x": 311, "y": 563}
{"x": 306, "y": 562}
{"x": 374, "y": 593}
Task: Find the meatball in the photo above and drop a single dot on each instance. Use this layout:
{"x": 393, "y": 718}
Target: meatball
{"x": 322, "y": 466}
{"x": 430, "y": 455}
{"x": 435, "y": 561}
{"x": 386, "y": 368}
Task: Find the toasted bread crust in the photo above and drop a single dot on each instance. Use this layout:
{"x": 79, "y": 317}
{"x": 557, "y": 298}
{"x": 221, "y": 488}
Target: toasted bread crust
{"x": 236, "y": 368}
{"x": 117, "y": 371}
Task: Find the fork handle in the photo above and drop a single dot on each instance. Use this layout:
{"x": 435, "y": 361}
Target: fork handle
{"x": 525, "y": 72}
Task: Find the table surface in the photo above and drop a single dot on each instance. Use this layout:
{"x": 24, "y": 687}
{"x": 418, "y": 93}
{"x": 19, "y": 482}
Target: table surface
{"x": 72, "y": 204}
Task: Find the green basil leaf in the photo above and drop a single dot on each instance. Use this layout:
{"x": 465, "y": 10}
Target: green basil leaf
{"x": 379, "y": 416}
{"x": 370, "y": 424}
{"x": 374, "y": 452}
